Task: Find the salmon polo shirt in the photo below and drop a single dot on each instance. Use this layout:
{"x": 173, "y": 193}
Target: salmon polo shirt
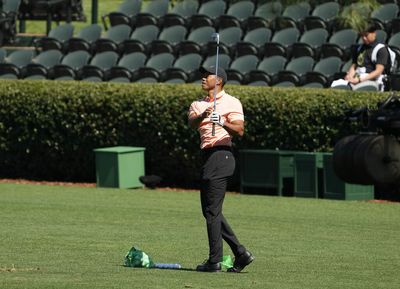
{"x": 230, "y": 110}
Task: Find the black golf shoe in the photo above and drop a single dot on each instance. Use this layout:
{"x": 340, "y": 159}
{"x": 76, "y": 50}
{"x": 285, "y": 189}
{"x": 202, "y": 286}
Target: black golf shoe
{"x": 241, "y": 261}
{"x": 209, "y": 267}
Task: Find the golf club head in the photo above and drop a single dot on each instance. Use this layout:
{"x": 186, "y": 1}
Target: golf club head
{"x": 215, "y": 37}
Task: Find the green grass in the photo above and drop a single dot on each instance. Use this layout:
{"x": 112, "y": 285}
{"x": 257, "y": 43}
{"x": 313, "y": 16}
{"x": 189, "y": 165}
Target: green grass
{"x": 69, "y": 237}
{"x": 105, "y": 6}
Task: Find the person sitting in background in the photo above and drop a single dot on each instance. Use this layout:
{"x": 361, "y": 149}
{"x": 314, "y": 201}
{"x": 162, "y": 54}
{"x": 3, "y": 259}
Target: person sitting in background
{"x": 367, "y": 69}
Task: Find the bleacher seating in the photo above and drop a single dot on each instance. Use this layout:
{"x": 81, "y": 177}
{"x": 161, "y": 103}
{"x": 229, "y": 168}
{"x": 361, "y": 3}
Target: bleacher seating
{"x": 123, "y": 71}
{"x": 295, "y": 70}
{"x": 124, "y": 14}
{"x": 56, "y": 39}
{"x": 261, "y": 43}
{"x": 13, "y": 63}
{"x": 323, "y": 16}
{"x": 39, "y": 66}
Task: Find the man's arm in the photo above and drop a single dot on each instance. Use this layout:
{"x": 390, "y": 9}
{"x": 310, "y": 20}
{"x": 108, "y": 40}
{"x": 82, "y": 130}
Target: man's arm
{"x": 194, "y": 121}
{"x": 235, "y": 128}
{"x": 379, "y": 68}
{"x": 350, "y": 73}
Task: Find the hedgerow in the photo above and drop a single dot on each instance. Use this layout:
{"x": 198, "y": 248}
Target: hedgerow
{"x": 48, "y": 129}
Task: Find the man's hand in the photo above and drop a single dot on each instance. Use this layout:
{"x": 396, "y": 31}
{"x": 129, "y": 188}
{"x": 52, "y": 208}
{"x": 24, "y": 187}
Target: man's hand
{"x": 216, "y": 118}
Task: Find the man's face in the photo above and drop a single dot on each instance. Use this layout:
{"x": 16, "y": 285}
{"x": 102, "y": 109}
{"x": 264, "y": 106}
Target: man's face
{"x": 208, "y": 82}
{"x": 368, "y": 37}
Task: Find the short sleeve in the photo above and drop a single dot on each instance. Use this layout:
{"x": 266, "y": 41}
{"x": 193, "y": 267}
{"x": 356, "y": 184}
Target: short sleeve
{"x": 236, "y": 112}
{"x": 193, "y": 110}
{"x": 382, "y": 57}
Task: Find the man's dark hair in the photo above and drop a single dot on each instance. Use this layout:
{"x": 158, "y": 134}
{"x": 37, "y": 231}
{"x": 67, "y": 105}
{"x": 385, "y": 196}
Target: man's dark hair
{"x": 371, "y": 27}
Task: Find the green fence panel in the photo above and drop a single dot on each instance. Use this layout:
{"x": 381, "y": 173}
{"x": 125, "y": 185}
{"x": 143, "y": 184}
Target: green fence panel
{"x": 265, "y": 169}
{"x": 334, "y": 188}
{"x": 308, "y": 177}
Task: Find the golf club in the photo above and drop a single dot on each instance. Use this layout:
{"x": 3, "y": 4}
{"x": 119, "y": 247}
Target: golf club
{"x": 215, "y": 37}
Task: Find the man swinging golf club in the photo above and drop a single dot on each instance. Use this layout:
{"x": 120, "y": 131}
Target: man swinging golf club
{"x": 218, "y": 117}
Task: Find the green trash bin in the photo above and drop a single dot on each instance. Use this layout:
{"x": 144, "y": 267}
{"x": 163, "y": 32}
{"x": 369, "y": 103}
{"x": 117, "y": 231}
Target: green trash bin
{"x": 268, "y": 169}
{"x": 119, "y": 167}
{"x": 308, "y": 175}
{"x": 335, "y": 188}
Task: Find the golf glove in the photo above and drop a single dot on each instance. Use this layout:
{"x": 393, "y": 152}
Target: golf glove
{"x": 216, "y": 118}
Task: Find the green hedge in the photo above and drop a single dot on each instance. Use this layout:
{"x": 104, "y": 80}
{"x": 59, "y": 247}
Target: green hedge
{"x": 48, "y": 129}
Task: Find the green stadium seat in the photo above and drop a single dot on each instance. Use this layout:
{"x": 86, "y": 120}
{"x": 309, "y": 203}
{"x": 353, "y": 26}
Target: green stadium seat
{"x": 343, "y": 70}
{"x": 40, "y": 65}
{"x": 323, "y": 16}
{"x": 168, "y": 39}
{"x": 339, "y": 44}
{"x": 184, "y": 68}
{"x": 324, "y": 71}
{"x": 196, "y": 41}
{"x": 99, "y": 64}
{"x": 310, "y": 43}
{"x": 281, "y": 42}
{"x": 113, "y": 38}
{"x": 85, "y": 38}
{"x": 240, "y": 66}
{"x": 155, "y": 66}
{"x": 237, "y": 14}
{"x": 208, "y": 13}
{"x": 126, "y": 66}
{"x": 140, "y": 39}
{"x": 265, "y": 15}
{"x": 384, "y": 14}
{"x": 395, "y": 25}
{"x": 125, "y": 14}
{"x": 394, "y": 43}
{"x": 254, "y": 42}
{"x": 56, "y": 39}
{"x": 180, "y": 14}
{"x": 14, "y": 62}
{"x": 295, "y": 70}
{"x": 151, "y": 12}
{"x": 293, "y": 15}
{"x": 223, "y": 60}
{"x": 267, "y": 69}
{"x": 228, "y": 38}
{"x": 70, "y": 65}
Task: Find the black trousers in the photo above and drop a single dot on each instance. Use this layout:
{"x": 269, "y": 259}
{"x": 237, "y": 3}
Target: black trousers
{"x": 218, "y": 166}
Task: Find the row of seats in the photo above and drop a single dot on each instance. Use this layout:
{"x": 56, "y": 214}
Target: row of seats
{"x": 246, "y": 14}
{"x": 288, "y": 42}
{"x": 136, "y": 66}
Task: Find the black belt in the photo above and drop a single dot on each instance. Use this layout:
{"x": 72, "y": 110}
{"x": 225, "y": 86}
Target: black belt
{"x": 209, "y": 151}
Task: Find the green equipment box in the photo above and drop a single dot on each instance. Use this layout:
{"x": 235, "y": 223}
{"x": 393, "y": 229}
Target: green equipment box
{"x": 119, "y": 167}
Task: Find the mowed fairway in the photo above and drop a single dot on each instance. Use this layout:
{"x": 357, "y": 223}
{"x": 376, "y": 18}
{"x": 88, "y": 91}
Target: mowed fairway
{"x": 72, "y": 237}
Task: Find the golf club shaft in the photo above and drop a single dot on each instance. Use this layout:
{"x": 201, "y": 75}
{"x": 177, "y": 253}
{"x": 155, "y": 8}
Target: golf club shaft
{"x": 167, "y": 266}
{"x": 215, "y": 87}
